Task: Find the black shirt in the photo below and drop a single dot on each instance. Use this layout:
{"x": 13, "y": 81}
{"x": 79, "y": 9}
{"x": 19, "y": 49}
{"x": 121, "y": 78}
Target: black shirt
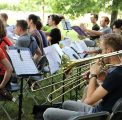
{"x": 96, "y": 28}
{"x": 56, "y": 35}
{"x": 113, "y": 84}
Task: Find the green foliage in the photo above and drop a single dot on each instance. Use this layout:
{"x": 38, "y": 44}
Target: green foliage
{"x": 79, "y": 7}
{"x": 25, "y": 5}
{"x": 70, "y": 7}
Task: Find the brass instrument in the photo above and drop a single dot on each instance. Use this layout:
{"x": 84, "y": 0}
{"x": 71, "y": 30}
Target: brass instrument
{"x": 75, "y": 79}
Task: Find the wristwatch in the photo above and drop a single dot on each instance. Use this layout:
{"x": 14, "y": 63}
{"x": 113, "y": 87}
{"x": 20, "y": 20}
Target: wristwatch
{"x": 93, "y": 75}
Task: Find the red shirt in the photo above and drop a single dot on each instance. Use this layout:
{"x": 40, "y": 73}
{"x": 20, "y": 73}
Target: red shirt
{"x": 2, "y": 55}
{"x": 4, "y": 42}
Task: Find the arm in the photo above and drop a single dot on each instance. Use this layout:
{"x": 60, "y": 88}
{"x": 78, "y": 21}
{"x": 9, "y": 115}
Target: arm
{"x": 93, "y": 32}
{"x": 49, "y": 38}
{"x": 37, "y": 55}
{"x": 94, "y": 94}
{"x": 8, "y": 72}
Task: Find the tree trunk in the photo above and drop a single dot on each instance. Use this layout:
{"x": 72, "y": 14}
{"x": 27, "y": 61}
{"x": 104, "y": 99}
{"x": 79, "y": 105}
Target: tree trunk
{"x": 114, "y": 14}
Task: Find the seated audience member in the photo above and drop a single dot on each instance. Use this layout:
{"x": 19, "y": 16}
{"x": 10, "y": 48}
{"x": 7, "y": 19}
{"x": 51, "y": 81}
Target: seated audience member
{"x": 44, "y": 38}
{"x": 94, "y": 18}
{"x": 55, "y": 34}
{"x": 117, "y": 26}
{"x": 5, "y": 75}
{"x": 32, "y": 21}
{"x": 26, "y": 40}
{"x": 109, "y": 91}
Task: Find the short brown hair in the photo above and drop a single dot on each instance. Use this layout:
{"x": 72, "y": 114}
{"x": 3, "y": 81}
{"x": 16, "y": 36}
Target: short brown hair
{"x": 4, "y": 16}
{"x": 113, "y": 40}
{"x": 2, "y": 30}
{"x": 106, "y": 19}
{"x": 23, "y": 24}
{"x": 95, "y": 15}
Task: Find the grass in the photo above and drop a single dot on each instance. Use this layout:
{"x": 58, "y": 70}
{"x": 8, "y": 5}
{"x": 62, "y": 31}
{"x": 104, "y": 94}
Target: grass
{"x": 28, "y": 103}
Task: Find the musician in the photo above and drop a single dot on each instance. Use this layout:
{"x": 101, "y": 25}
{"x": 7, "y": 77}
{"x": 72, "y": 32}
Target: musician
{"x": 26, "y": 40}
{"x": 105, "y": 29}
{"x": 32, "y": 21}
{"x": 94, "y": 18}
{"x": 109, "y": 91}
{"x": 117, "y": 26}
{"x": 4, "y": 79}
{"x": 55, "y": 33}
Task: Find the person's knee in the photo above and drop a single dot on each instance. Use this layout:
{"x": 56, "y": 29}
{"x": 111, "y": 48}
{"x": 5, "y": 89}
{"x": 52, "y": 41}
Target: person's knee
{"x": 47, "y": 113}
{"x": 66, "y": 104}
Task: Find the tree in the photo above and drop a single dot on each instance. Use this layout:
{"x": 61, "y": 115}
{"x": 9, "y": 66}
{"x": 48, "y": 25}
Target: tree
{"x": 79, "y": 7}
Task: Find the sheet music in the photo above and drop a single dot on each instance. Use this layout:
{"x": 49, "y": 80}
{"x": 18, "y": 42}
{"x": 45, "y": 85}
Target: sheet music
{"x": 53, "y": 59}
{"x": 71, "y": 53}
{"x": 64, "y": 43}
{"x": 82, "y": 46}
{"x": 58, "y": 49}
{"x": 79, "y": 30}
{"x": 25, "y": 66}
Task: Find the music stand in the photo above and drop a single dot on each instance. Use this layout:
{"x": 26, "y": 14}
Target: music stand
{"x": 66, "y": 25}
{"x": 23, "y": 66}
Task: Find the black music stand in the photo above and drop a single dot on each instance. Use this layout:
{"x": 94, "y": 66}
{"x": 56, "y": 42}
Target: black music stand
{"x": 23, "y": 66}
{"x": 66, "y": 25}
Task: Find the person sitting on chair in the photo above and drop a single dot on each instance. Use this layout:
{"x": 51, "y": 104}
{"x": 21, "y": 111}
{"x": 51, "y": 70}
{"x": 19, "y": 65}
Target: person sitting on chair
{"x": 117, "y": 26}
{"x": 55, "y": 33}
{"x": 32, "y": 21}
{"x": 4, "y": 79}
{"x": 104, "y": 21}
{"x": 26, "y": 40}
{"x": 94, "y": 18}
{"x": 109, "y": 91}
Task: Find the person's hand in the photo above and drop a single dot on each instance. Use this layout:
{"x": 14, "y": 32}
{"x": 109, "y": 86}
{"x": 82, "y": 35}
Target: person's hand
{"x": 86, "y": 75}
{"x": 95, "y": 68}
{"x": 82, "y": 26}
{"x": 88, "y": 52}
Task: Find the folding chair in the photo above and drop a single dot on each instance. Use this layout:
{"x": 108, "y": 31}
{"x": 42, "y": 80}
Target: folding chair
{"x": 12, "y": 88}
{"x": 117, "y": 111}
{"x": 93, "y": 116}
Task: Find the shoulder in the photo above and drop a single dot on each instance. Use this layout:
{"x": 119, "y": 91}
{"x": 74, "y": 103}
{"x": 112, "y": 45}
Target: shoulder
{"x": 7, "y": 40}
{"x": 114, "y": 77}
{"x": 23, "y": 38}
{"x": 106, "y": 30}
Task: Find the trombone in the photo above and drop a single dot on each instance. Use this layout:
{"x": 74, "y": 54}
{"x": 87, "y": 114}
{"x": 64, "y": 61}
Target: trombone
{"x": 75, "y": 78}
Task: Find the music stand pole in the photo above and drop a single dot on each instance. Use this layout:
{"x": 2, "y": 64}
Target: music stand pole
{"x": 20, "y": 99}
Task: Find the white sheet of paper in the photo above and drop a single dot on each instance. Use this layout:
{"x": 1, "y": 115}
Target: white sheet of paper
{"x": 25, "y": 66}
{"x": 53, "y": 59}
{"x": 82, "y": 46}
{"x": 66, "y": 42}
{"x": 58, "y": 49}
{"x": 71, "y": 53}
